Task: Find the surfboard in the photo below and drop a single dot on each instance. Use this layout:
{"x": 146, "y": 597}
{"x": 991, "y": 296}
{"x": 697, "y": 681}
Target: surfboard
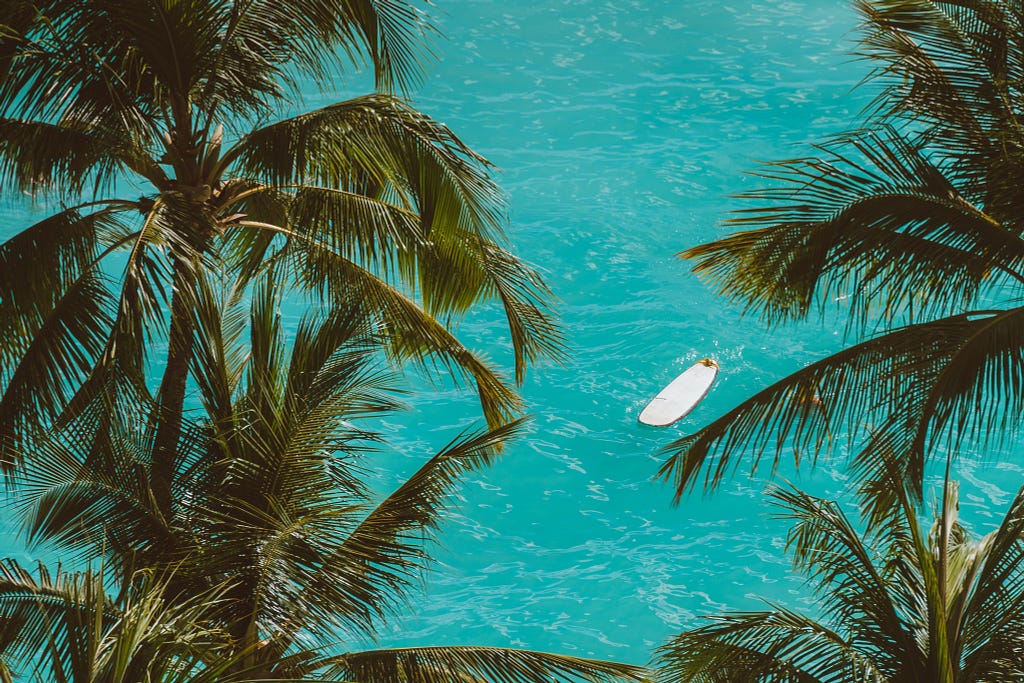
{"x": 681, "y": 395}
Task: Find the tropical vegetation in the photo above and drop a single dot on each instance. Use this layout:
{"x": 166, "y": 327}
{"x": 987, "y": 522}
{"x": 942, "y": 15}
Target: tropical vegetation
{"x": 205, "y": 465}
{"x": 175, "y": 118}
{"x": 66, "y": 628}
{"x": 273, "y": 512}
{"x": 900, "y": 603}
{"x": 912, "y": 229}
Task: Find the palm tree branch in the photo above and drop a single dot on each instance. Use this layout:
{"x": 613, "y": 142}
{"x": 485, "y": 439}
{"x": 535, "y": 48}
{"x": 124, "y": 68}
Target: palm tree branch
{"x": 379, "y": 560}
{"x": 70, "y": 341}
{"x": 992, "y": 613}
{"x": 459, "y": 664}
{"x": 57, "y": 252}
{"x": 885, "y": 236}
{"x": 949, "y": 64}
{"x": 411, "y": 333}
{"x": 982, "y": 370}
{"x": 61, "y": 71}
{"x": 452, "y": 271}
{"x": 377, "y": 144}
{"x": 853, "y": 590}
{"x": 887, "y": 380}
{"x": 777, "y": 645}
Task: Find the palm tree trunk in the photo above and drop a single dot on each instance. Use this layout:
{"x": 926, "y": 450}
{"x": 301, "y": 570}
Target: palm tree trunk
{"x": 171, "y": 396}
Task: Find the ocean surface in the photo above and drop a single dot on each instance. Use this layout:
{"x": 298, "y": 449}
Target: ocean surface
{"x": 620, "y": 130}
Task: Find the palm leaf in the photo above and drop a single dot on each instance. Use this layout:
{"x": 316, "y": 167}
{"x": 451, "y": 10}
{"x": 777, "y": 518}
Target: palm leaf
{"x": 88, "y": 490}
{"x": 65, "y": 628}
{"x": 991, "y": 617}
{"x": 912, "y": 222}
{"x": 852, "y": 589}
{"x": 219, "y": 360}
{"x": 56, "y": 252}
{"x": 371, "y": 571}
{"x": 47, "y": 621}
{"x": 779, "y": 645}
{"x": 453, "y": 270}
{"x": 380, "y": 146}
{"x": 279, "y": 488}
{"x": 65, "y": 348}
{"x": 953, "y": 67}
{"x": 802, "y": 411}
{"x": 409, "y": 331}
{"x": 952, "y": 378}
{"x": 476, "y": 664}
{"x": 38, "y": 156}
{"x": 889, "y": 234}
{"x": 64, "y": 69}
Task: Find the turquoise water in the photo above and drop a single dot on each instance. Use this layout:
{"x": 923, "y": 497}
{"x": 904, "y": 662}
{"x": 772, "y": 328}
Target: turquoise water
{"x": 620, "y": 130}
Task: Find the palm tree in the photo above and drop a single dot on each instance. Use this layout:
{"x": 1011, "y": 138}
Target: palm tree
{"x": 912, "y": 228}
{"x": 269, "y": 500}
{"x": 189, "y": 103}
{"x": 899, "y": 604}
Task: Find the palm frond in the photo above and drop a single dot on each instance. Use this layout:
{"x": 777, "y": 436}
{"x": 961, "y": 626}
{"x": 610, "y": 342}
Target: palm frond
{"x": 66, "y": 628}
{"x": 279, "y": 489}
{"x": 267, "y": 546}
{"x": 452, "y": 270}
{"x": 853, "y": 590}
{"x": 139, "y": 316}
{"x": 373, "y": 232}
{"x": 991, "y": 615}
{"x": 476, "y": 665}
{"x": 88, "y": 489}
{"x": 218, "y": 363}
{"x": 954, "y": 67}
{"x": 262, "y": 45}
{"x": 372, "y": 570}
{"x": 65, "y": 348}
{"x": 449, "y": 264}
{"x": 778, "y": 645}
{"x": 412, "y": 169}
{"x": 37, "y": 156}
{"x": 900, "y": 602}
{"x": 335, "y": 377}
{"x": 49, "y": 623}
{"x": 873, "y": 224}
{"x": 910, "y": 386}
{"x": 41, "y": 263}
{"x": 380, "y": 146}
{"x": 290, "y": 429}
{"x": 126, "y": 68}
{"x": 73, "y": 66}
{"x": 395, "y": 36}
{"x": 409, "y": 332}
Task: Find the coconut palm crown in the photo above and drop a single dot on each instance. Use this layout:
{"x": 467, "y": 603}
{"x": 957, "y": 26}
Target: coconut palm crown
{"x": 167, "y": 131}
{"x": 913, "y": 229}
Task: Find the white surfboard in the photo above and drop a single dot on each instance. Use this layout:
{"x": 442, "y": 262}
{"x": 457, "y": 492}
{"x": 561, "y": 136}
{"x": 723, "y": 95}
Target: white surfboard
{"x": 681, "y": 395}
